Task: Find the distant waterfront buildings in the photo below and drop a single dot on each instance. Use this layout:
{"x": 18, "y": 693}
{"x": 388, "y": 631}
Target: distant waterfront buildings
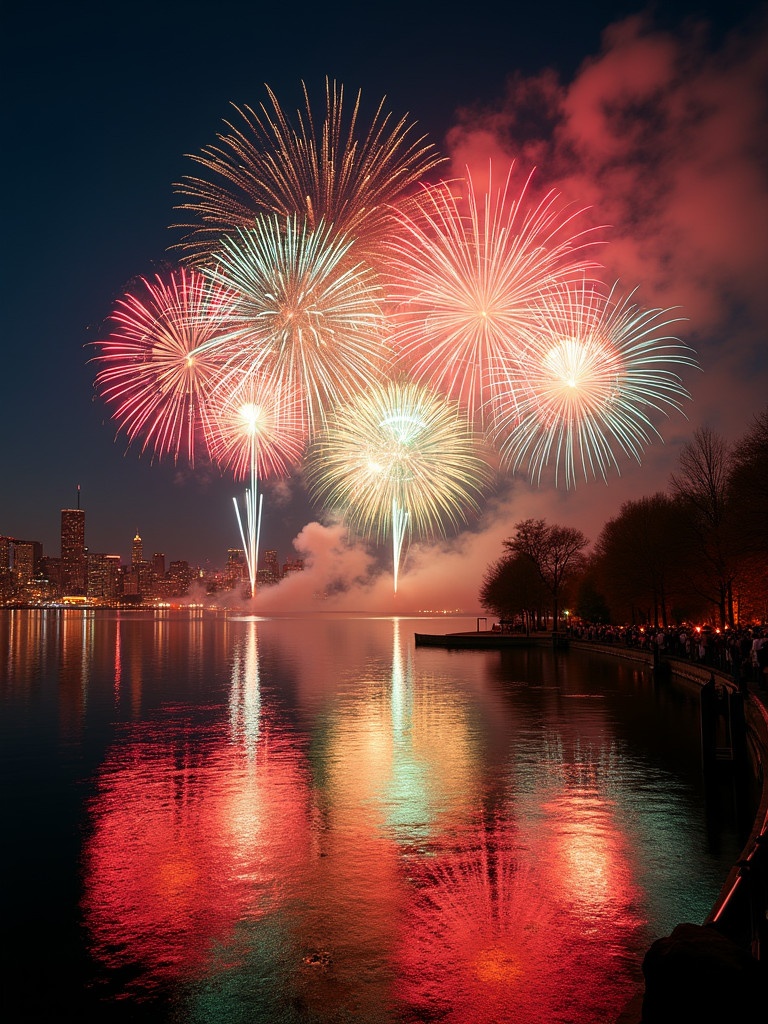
{"x": 28, "y": 576}
{"x": 103, "y": 576}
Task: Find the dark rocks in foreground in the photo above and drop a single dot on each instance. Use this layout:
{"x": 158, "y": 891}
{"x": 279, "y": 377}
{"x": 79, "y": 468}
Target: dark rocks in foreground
{"x": 698, "y": 974}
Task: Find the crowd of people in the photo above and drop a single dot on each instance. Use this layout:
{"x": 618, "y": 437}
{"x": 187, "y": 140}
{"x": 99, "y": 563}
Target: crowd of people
{"x": 742, "y": 652}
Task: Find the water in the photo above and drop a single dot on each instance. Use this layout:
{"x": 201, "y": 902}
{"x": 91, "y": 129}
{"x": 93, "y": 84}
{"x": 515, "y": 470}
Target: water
{"x": 220, "y": 819}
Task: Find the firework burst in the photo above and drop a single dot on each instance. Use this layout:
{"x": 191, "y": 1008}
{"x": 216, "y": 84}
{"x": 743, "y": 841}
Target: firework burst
{"x": 256, "y": 423}
{"x": 594, "y": 372}
{"x": 302, "y": 314}
{"x": 395, "y": 460}
{"x": 257, "y": 431}
{"x": 157, "y": 365}
{"x": 465, "y": 274}
{"x": 337, "y": 173}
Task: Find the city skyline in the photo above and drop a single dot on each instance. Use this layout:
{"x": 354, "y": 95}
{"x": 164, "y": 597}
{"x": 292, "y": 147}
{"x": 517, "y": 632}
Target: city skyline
{"x": 31, "y": 575}
{"x": 73, "y": 534}
{"x": 529, "y": 91}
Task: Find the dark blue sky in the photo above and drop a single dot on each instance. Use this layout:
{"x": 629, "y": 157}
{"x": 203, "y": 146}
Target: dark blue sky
{"x": 101, "y": 104}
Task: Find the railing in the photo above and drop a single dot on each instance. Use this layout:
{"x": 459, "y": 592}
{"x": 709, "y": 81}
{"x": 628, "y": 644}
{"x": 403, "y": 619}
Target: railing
{"x": 741, "y": 910}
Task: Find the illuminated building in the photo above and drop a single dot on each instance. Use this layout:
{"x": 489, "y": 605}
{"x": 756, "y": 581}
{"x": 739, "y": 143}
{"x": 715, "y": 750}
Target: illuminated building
{"x": 73, "y": 562}
{"x": 181, "y": 576}
{"x": 5, "y": 568}
{"x": 293, "y": 565}
{"x": 237, "y": 568}
{"x": 26, "y": 558}
{"x": 137, "y": 550}
{"x": 50, "y": 571}
{"x": 269, "y": 574}
{"x": 103, "y": 576}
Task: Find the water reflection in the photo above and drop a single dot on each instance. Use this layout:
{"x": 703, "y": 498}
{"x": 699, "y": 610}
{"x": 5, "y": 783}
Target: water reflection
{"x": 478, "y": 944}
{"x": 245, "y": 690}
{"x": 313, "y": 821}
{"x": 192, "y": 839}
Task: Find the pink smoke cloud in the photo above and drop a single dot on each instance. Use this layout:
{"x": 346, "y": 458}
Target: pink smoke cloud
{"x": 663, "y": 138}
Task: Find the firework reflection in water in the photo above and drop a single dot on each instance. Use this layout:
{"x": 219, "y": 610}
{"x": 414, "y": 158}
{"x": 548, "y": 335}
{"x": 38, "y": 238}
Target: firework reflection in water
{"x": 478, "y": 943}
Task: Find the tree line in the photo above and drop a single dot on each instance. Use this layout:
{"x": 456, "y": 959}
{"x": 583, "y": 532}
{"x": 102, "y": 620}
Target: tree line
{"x": 696, "y": 552}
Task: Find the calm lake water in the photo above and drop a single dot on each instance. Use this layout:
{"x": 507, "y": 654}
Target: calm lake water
{"x": 210, "y": 818}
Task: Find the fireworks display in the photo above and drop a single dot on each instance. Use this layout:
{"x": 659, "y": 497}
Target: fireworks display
{"x": 257, "y": 431}
{"x": 256, "y": 424}
{"x": 467, "y": 274}
{"x": 341, "y": 303}
{"x": 397, "y": 459}
{"x": 585, "y": 385}
{"x": 336, "y": 174}
{"x": 155, "y": 370}
{"x": 302, "y": 312}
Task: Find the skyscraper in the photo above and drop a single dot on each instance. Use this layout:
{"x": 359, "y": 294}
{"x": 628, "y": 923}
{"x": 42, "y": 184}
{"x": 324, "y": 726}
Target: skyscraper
{"x": 73, "y": 562}
{"x": 103, "y": 575}
{"x": 271, "y": 570}
{"x": 5, "y": 567}
{"x": 137, "y": 551}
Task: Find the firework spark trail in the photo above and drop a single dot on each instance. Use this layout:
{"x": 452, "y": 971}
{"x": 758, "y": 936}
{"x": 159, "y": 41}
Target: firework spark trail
{"x": 397, "y": 458}
{"x": 157, "y": 368}
{"x": 302, "y": 313}
{"x": 257, "y": 431}
{"x": 339, "y": 173}
{"x": 595, "y": 368}
{"x": 464, "y": 279}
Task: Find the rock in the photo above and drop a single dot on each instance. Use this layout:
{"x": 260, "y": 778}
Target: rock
{"x": 698, "y": 974}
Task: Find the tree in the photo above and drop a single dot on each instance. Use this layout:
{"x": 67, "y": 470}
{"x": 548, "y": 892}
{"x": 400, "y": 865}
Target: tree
{"x": 748, "y": 480}
{"x": 748, "y": 483}
{"x": 511, "y": 586}
{"x": 703, "y": 485}
{"x": 556, "y": 552}
{"x": 642, "y": 558}
{"x": 591, "y": 605}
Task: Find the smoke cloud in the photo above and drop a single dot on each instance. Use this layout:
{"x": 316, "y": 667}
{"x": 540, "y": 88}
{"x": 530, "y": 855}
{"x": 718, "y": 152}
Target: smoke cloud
{"x": 663, "y": 138}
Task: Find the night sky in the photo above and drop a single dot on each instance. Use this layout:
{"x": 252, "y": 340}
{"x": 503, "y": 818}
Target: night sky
{"x": 655, "y": 120}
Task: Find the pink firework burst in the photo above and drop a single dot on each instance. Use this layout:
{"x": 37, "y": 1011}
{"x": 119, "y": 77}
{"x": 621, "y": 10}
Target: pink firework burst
{"x": 257, "y": 424}
{"x": 466, "y": 272}
{"x": 158, "y": 366}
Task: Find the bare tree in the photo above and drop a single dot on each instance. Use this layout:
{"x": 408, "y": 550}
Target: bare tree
{"x": 748, "y": 478}
{"x": 703, "y": 484}
{"x": 557, "y": 553}
{"x": 511, "y": 586}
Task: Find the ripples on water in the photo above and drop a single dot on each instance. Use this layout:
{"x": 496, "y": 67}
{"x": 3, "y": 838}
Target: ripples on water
{"x": 310, "y": 820}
